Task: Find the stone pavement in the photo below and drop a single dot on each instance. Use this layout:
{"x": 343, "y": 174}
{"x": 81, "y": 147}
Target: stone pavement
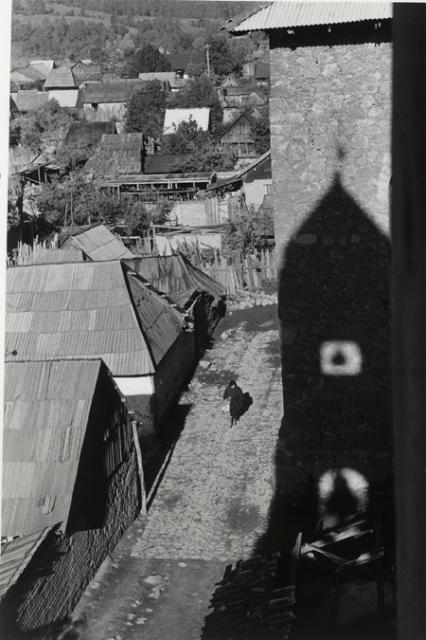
{"x": 212, "y": 504}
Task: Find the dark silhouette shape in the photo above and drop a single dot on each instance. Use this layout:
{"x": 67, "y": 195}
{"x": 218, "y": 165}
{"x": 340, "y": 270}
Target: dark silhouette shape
{"x": 235, "y": 395}
{"x": 334, "y": 286}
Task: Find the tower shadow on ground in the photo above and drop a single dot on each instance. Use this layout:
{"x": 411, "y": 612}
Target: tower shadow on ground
{"x": 334, "y": 288}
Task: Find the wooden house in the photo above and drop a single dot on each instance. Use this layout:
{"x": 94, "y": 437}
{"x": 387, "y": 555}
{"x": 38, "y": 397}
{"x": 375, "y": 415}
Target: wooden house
{"x": 31, "y": 100}
{"x": 160, "y": 176}
{"x": 103, "y": 309}
{"x": 189, "y": 287}
{"x": 116, "y": 154}
{"x": 62, "y": 87}
{"x": 97, "y": 244}
{"x": 71, "y": 485}
{"x": 107, "y": 100}
{"x": 83, "y": 137}
{"x": 240, "y": 137}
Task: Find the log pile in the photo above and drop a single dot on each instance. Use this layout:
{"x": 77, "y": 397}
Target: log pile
{"x": 250, "y": 603}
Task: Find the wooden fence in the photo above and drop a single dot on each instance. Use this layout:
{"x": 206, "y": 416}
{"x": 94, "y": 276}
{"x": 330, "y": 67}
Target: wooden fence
{"x": 241, "y": 273}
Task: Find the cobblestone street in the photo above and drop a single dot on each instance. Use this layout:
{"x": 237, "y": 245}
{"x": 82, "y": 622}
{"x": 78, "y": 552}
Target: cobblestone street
{"x": 212, "y": 504}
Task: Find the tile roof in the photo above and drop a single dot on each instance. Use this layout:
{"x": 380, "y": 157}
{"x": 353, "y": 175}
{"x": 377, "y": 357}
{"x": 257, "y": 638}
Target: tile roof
{"x": 86, "y": 310}
{"x": 98, "y": 244}
{"x": 176, "y": 276}
{"x": 282, "y": 15}
{"x": 174, "y": 117}
{"x": 116, "y": 154}
{"x": 47, "y": 406}
{"x": 111, "y": 91}
{"x": 15, "y": 557}
{"x": 30, "y": 100}
{"x": 60, "y": 78}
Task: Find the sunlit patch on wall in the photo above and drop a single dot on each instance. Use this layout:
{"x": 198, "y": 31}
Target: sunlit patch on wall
{"x": 342, "y": 494}
{"x": 340, "y": 358}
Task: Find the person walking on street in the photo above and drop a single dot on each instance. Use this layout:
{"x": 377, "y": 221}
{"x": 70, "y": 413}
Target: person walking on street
{"x": 235, "y": 395}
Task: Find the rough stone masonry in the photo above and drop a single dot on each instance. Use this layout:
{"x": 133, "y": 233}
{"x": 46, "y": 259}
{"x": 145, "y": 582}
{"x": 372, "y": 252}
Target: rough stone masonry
{"x": 330, "y": 138}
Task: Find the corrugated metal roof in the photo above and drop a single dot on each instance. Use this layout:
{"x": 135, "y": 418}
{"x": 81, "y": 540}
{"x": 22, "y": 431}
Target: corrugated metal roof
{"x": 176, "y": 276}
{"x": 116, "y": 154}
{"x": 60, "y": 78}
{"x": 174, "y": 117}
{"x": 282, "y": 15}
{"x": 30, "y": 100}
{"x": 53, "y": 256}
{"x": 15, "y": 557}
{"x": 85, "y": 310}
{"x": 47, "y": 406}
{"x": 99, "y": 244}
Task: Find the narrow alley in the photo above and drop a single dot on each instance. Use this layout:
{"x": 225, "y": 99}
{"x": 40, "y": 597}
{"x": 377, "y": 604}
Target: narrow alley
{"x": 212, "y": 504}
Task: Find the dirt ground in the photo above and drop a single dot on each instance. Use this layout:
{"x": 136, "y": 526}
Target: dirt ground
{"x": 212, "y": 505}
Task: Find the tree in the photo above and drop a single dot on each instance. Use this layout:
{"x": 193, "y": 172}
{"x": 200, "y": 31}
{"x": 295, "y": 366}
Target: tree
{"x": 43, "y": 127}
{"x": 200, "y": 92}
{"x": 187, "y": 138}
{"x": 75, "y": 200}
{"x": 262, "y": 133}
{"x": 245, "y": 234}
{"x": 202, "y": 154}
{"x": 223, "y": 59}
{"x": 146, "y": 59}
{"x": 146, "y": 109}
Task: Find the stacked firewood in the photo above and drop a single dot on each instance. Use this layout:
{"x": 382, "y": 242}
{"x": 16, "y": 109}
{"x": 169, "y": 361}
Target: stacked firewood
{"x": 250, "y": 603}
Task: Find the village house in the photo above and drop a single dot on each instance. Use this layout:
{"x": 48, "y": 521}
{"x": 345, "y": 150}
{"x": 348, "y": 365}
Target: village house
{"x": 103, "y": 310}
{"x": 252, "y": 183}
{"x": 189, "y": 287}
{"x": 158, "y": 176}
{"x": 71, "y": 485}
{"x": 240, "y": 137}
{"x": 174, "y": 117}
{"x": 105, "y": 101}
{"x": 62, "y": 87}
{"x": 86, "y": 71}
{"x": 30, "y": 100}
{"x": 169, "y": 79}
{"x": 181, "y": 62}
{"x": 83, "y": 137}
{"x": 330, "y": 112}
{"x": 27, "y": 77}
{"x": 115, "y": 155}
{"x": 96, "y": 243}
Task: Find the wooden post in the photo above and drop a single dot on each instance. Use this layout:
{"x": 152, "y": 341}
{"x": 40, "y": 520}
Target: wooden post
{"x": 140, "y": 467}
{"x": 409, "y": 312}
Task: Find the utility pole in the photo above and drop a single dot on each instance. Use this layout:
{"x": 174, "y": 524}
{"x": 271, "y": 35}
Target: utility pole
{"x": 208, "y": 59}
